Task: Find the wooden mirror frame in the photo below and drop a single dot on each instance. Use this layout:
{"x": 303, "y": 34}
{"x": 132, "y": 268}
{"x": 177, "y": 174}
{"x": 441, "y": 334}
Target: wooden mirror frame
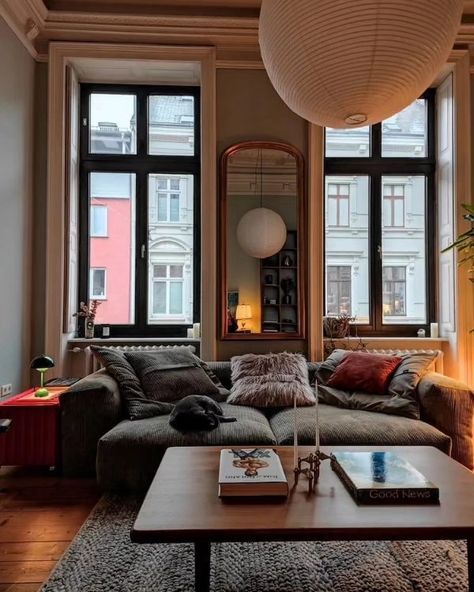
{"x": 301, "y": 242}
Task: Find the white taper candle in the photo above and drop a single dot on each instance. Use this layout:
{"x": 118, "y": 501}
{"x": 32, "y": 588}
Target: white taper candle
{"x": 317, "y": 414}
{"x": 295, "y": 435}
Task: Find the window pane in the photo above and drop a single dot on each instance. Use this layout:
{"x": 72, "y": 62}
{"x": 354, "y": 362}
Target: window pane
{"x": 98, "y": 221}
{"x": 174, "y": 207}
{"x": 115, "y": 252}
{"x": 176, "y": 297}
{"x": 97, "y": 284}
{"x": 159, "y": 298}
{"x": 347, "y": 246}
{"x": 348, "y": 142}
{"x": 171, "y": 125}
{"x": 170, "y": 251}
{"x": 112, "y": 124}
{"x": 403, "y": 250}
{"x": 159, "y": 271}
{"x": 162, "y": 207}
{"x": 176, "y": 271}
{"x": 405, "y": 134}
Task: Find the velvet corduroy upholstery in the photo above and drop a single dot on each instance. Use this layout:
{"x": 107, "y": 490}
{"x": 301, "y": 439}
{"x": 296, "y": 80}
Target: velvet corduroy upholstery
{"x": 129, "y": 454}
{"x": 89, "y": 409}
{"x": 449, "y": 405}
{"x": 92, "y": 408}
{"x": 348, "y": 426}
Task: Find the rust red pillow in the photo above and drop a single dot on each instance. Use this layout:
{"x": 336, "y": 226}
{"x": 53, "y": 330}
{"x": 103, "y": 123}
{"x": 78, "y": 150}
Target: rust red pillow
{"x": 364, "y": 372}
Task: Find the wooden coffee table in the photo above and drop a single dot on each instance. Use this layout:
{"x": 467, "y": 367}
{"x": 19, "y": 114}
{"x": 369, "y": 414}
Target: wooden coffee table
{"x": 182, "y": 506}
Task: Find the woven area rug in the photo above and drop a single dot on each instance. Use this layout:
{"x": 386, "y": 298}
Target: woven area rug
{"x": 102, "y": 559}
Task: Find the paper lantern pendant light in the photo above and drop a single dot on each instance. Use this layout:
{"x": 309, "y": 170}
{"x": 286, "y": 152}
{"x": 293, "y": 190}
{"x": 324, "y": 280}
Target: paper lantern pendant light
{"x": 261, "y": 233}
{"x": 349, "y": 63}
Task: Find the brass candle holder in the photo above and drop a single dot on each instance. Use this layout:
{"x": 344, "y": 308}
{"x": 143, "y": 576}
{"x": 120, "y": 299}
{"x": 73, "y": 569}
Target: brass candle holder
{"x": 311, "y": 472}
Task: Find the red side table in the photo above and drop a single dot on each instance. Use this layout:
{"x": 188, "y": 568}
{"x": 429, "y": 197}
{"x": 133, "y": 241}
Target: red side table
{"x": 33, "y": 436}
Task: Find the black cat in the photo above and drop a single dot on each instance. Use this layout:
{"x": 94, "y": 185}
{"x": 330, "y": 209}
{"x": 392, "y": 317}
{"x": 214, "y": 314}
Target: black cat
{"x": 197, "y": 413}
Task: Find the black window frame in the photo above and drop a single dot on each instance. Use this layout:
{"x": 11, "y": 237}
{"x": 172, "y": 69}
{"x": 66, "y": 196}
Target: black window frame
{"x": 141, "y": 164}
{"x": 375, "y": 167}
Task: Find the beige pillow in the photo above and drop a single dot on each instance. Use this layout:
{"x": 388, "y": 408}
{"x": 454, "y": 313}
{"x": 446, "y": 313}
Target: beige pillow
{"x": 270, "y": 380}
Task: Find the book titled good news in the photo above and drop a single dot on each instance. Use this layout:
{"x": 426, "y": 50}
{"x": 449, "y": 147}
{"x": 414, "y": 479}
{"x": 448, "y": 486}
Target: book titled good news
{"x": 251, "y": 472}
{"x": 383, "y": 478}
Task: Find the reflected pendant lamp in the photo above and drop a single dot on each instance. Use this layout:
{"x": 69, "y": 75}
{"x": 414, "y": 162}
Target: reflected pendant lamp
{"x": 261, "y": 233}
{"x": 350, "y": 63}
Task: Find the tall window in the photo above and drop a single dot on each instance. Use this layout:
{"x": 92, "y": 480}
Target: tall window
{"x": 97, "y": 284}
{"x": 393, "y": 205}
{"x": 339, "y": 285}
{"x": 394, "y": 291}
{"x": 140, "y": 171}
{"x": 338, "y": 204}
{"x": 386, "y": 235}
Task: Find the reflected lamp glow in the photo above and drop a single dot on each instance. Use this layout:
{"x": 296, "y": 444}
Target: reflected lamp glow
{"x": 261, "y": 233}
{"x": 42, "y": 363}
{"x": 243, "y": 313}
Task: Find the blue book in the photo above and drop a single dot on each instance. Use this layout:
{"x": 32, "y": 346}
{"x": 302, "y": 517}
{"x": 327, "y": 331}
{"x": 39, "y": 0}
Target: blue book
{"x": 383, "y": 478}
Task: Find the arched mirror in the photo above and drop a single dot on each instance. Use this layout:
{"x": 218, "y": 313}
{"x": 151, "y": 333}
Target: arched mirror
{"x": 262, "y": 238}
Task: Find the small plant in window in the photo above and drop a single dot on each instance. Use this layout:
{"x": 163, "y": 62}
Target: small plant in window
{"x": 338, "y": 327}
{"x": 88, "y": 313}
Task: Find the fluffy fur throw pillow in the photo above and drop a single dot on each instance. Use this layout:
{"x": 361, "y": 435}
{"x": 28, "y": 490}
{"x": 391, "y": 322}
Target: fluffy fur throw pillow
{"x": 270, "y": 380}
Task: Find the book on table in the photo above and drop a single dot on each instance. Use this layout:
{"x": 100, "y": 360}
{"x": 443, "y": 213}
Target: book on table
{"x": 251, "y": 472}
{"x": 383, "y": 478}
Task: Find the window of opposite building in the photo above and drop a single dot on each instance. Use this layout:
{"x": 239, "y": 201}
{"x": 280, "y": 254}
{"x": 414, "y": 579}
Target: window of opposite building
{"x": 379, "y": 202}
{"x": 139, "y": 192}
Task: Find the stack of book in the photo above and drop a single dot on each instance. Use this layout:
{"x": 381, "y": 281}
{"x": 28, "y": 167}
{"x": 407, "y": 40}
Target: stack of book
{"x": 251, "y": 472}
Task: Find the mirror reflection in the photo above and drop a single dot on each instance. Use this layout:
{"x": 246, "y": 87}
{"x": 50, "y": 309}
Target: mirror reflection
{"x": 262, "y": 259}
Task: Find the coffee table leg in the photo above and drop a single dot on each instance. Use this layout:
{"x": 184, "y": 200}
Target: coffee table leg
{"x": 202, "y": 565}
{"x": 470, "y": 564}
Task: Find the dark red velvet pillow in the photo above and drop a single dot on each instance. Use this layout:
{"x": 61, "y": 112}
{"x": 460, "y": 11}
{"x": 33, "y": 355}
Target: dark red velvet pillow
{"x": 364, "y": 372}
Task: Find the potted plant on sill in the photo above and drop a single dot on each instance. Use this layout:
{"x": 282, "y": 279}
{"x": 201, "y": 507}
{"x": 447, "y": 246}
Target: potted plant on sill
{"x": 88, "y": 313}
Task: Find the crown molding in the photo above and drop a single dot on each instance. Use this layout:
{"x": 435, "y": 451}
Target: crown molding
{"x": 235, "y": 38}
{"x": 26, "y": 19}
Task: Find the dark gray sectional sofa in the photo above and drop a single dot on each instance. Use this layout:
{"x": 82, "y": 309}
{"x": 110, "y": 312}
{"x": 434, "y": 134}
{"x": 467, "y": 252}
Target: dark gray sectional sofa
{"x": 97, "y": 438}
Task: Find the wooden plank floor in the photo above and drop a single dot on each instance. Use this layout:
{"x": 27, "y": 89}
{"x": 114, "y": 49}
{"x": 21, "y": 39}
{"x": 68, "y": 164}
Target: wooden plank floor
{"x": 40, "y": 513}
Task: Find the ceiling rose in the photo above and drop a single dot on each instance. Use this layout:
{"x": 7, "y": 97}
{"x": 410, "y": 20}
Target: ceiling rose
{"x": 349, "y": 63}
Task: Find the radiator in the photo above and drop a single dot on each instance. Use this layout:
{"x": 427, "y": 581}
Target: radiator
{"x": 92, "y": 364}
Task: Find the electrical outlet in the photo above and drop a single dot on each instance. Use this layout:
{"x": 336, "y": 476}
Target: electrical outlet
{"x": 6, "y": 389}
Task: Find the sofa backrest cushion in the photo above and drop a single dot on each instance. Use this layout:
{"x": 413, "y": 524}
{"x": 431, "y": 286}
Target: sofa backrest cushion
{"x": 170, "y": 375}
{"x": 270, "y": 380}
{"x": 136, "y": 403}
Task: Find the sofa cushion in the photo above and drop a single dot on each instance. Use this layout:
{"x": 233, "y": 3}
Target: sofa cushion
{"x": 270, "y": 380}
{"x": 364, "y": 372}
{"x": 401, "y": 398}
{"x": 136, "y": 403}
{"x": 129, "y": 454}
{"x": 351, "y": 427}
{"x": 171, "y": 375}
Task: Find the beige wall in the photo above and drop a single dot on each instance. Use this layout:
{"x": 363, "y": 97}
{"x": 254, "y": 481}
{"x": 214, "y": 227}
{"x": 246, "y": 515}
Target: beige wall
{"x": 39, "y": 208}
{"x": 17, "y": 70}
{"x": 248, "y": 108}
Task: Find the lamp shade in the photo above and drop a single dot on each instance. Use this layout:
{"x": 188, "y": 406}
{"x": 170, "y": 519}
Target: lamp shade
{"x": 261, "y": 233}
{"x": 243, "y": 312}
{"x": 42, "y": 362}
{"x": 355, "y": 62}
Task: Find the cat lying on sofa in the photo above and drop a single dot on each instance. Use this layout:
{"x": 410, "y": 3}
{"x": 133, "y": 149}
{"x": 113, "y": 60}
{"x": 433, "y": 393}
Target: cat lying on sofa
{"x": 197, "y": 413}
